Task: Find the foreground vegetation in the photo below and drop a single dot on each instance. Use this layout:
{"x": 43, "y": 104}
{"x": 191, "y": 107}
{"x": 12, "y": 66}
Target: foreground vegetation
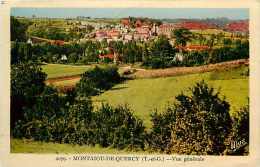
{"x": 29, "y": 146}
{"x": 71, "y": 118}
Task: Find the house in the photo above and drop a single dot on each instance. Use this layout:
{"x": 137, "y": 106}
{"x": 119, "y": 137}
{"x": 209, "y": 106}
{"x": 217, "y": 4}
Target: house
{"x": 110, "y": 55}
{"x": 125, "y": 22}
{"x": 64, "y": 58}
{"x": 138, "y": 23}
{"x": 29, "y": 41}
{"x": 128, "y": 37}
{"x": 114, "y": 34}
{"x": 141, "y": 36}
{"x": 100, "y": 35}
{"x": 58, "y": 42}
{"x": 197, "y": 47}
{"x": 166, "y": 29}
{"x": 178, "y": 57}
{"x": 143, "y": 29}
{"x": 194, "y": 47}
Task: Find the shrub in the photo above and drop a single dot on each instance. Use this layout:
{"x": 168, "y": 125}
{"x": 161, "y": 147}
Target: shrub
{"x": 38, "y": 119}
{"x": 155, "y": 63}
{"x": 118, "y": 127}
{"x": 94, "y": 81}
{"x": 199, "y": 123}
{"x": 53, "y": 119}
{"x": 27, "y": 82}
{"x": 202, "y": 122}
{"x": 240, "y": 133}
{"x": 160, "y": 135}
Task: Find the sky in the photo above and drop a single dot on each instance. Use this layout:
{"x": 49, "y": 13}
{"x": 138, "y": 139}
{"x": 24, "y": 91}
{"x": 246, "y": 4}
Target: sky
{"x": 158, "y": 13}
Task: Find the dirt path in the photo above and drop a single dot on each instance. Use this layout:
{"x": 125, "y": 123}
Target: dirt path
{"x": 59, "y": 79}
{"x": 175, "y": 71}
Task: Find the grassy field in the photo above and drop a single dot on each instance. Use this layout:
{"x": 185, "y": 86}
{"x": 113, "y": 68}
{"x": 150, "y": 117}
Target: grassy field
{"x": 146, "y": 95}
{"x": 27, "y": 146}
{"x": 61, "y": 70}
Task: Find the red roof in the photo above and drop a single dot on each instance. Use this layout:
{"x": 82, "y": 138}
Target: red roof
{"x": 101, "y": 34}
{"x": 194, "y": 47}
{"x": 142, "y": 29}
{"x": 240, "y": 26}
{"x": 125, "y": 21}
{"x": 110, "y": 56}
{"x": 113, "y": 33}
{"x": 59, "y": 42}
{"x": 196, "y": 25}
{"x": 138, "y": 23}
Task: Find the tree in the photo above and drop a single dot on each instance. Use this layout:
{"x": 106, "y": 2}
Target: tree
{"x": 27, "y": 82}
{"x": 182, "y": 36}
{"x": 227, "y": 41}
{"x": 202, "y": 122}
{"x": 196, "y": 124}
{"x": 201, "y": 39}
{"x": 161, "y": 53}
{"x": 21, "y": 52}
{"x": 119, "y": 127}
{"x": 18, "y": 29}
{"x": 161, "y": 48}
{"x": 96, "y": 80}
{"x": 73, "y": 58}
{"x": 240, "y": 132}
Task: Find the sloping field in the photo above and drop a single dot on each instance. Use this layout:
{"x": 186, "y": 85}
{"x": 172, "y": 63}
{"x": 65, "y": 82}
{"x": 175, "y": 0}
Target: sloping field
{"x": 62, "y": 70}
{"x": 67, "y": 75}
{"x": 146, "y": 95}
{"x": 175, "y": 71}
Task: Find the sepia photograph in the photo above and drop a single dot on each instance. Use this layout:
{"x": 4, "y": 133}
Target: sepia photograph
{"x": 129, "y": 80}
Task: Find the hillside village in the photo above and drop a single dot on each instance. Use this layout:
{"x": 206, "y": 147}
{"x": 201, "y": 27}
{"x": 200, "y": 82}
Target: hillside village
{"x": 141, "y": 30}
{"x": 127, "y": 30}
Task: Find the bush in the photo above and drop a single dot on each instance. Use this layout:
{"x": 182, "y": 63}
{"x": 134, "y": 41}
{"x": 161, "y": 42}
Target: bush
{"x": 155, "y": 63}
{"x": 53, "y": 119}
{"x": 27, "y": 82}
{"x": 94, "y": 81}
{"x": 240, "y": 133}
{"x": 119, "y": 128}
{"x": 199, "y": 123}
{"x": 160, "y": 135}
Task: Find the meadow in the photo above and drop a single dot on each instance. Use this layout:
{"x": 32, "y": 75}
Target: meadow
{"x": 62, "y": 70}
{"x": 144, "y": 96}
